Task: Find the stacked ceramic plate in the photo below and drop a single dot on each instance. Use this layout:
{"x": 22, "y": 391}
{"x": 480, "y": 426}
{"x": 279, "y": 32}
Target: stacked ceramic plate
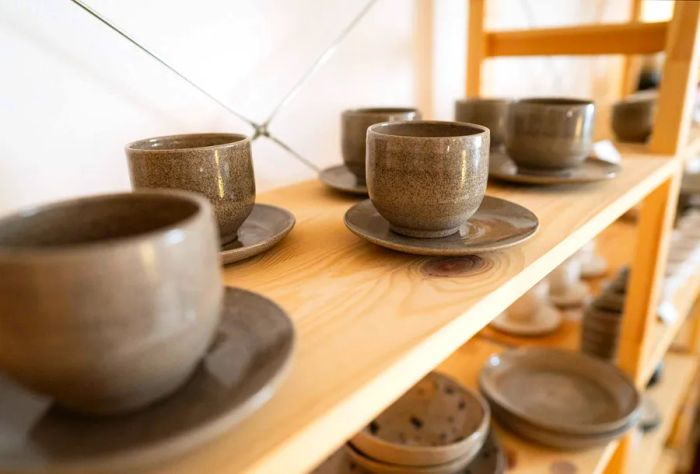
{"x": 602, "y": 320}
{"x": 559, "y": 398}
{"x": 437, "y": 427}
{"x": 684, "y": 254}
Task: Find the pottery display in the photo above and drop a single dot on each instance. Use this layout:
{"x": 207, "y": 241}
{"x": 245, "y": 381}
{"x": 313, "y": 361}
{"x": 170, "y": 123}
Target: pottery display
{"x": 427, "y": 178}
{"x": 491, "y": 113}
{"x": 593, "y": 264}
{"x": 342, "y": 179}
{"x": 560, "y": 398}
{"x": 216, "y": 165}
{"x": 633, "y": 118}
{"x": 497, "y": 224}
{"x": 565, "y": 286}
{"x": 264, "y": 228}
{"x": 435, "y": 422}
{"x": 239, "y": 373}
{"x": 530, "y": 315}
{"x": 354, "y": 125}
{"x": 550, "y": 133}
{"x": 95, "y": 275}
{"x": 503, "y": 168}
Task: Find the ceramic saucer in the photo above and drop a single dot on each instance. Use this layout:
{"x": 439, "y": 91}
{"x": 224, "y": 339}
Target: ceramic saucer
{"x": 497, "y": 224}
{"x": 545, "y": 320}
{"x": 265, "y": 226}
{"x": 342, "y": 179}
{"x": 501, "y": 167}
{"x": 575, "y": 295}
{"x": 246, "y": 361}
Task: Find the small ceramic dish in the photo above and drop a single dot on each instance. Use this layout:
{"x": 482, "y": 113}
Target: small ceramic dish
{"x": 496, "y": 225}
{"x": 502, "y": 167}
{"x": 435, "y": 422}
{"x": 378, "y": 467}
{"x": 544, "y": 321}
{"x": 342, "y": 179}
{"x": 574, "y": 295}
{"x": 264, "y": 228}
{"x": 245, "y": 363}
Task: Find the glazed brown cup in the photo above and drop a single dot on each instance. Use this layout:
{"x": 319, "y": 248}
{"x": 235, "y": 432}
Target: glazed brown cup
{"x": 550, "y": 133}
{"x": 491, "y": 113}
{"x": 427, "y": 178}
{"x": 633, "y": 120}
{"x": 217, "y": 165}
{"x": 109, "y": 301}
{"x": 354, "y": 124}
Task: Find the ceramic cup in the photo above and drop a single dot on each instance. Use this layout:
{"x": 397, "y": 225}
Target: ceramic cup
{"x": 491, "y": 113}
{"x": 112, "y": 299}
{"x": 549, "y": 133}
{"x": 427, "y": 178}
{"x": 354, "y": 124}
{"x": 217, "y": 165}
{"x": 633, "y": 119}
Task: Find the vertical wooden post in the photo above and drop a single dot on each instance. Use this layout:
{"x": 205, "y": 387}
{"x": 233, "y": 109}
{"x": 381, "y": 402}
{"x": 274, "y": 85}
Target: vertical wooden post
{"x": 694, "y": 346}
{"x": 476, "y": 47}
{"x": 632, "y": 64}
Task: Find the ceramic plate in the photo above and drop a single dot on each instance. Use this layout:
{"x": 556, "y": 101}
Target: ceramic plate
{"x": 501, "y": 167}
{"x": 265, "y": 226}
{"x": 496, "y": 225}
{"x": 246, "y": 361}
{"x": 342, "y": 179}
{"x": 545, "y": 320}
{"x": 561, "y": 391}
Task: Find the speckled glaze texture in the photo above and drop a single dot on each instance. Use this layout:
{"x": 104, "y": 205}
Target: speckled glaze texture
{"x": 354, "y": 124}
{"x": 633, "y": 120}
{"x": 217, "y": 165}
{"x": 550, "y": 133}
{"x": 113, "y": 299}
{"x": 491, "y": 113}
{"x": 427, "y": 178}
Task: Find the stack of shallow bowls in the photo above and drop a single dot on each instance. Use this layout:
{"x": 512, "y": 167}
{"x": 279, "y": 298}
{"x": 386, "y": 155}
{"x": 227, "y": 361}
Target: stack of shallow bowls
{"x": 602, "y": 319}
{"x": 437, "y": 427}
{"x": 560, "y": 398}
{"x": 684, "y": 254}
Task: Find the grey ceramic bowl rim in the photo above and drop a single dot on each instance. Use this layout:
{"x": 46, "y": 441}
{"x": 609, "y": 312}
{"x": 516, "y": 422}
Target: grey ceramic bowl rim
{"x": 486, "y": 100}
{"x": 166, "y": 232}
{"x": 554, "y": 102}
{"x": 479, "y": 130}
{"x": 379, "y": 111}
{"x": 638, "y": 103}
{"x": 235, "y": 140}
{"x": 480, "y": 432}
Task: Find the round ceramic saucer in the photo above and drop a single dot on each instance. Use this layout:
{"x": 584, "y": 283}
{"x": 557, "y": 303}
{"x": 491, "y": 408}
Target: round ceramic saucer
{"x": 575, "y": 295}
{"x": 497, "y": 224}
{"x": 342, "y": 179}
{"x": 545, "y": 320}
{"x": 593, "y": 169}
{"x": 246, "y": 361}
{"x": 265, "y": 226}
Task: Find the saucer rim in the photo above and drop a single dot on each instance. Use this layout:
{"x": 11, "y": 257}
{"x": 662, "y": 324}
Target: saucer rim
{"x": 357, "y": 190}
{"x": 614, "y": 171}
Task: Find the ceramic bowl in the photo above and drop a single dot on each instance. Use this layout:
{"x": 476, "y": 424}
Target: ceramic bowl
{"x": 119, "y": 297}
{"x": 633, "y": 119}
{"x": 491, "y": 113}
{"x": 427, "y": 178}
{"x": 549, "y": 133}
{"x": 437, "y": 421}
{"x": 377, "y": 467}
{"x": 216, "y": 165}
{"x": 354, "y": 124}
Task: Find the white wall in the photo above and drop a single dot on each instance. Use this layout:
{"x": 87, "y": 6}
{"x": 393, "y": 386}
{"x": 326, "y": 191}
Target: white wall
{"x": 73, "y": 93}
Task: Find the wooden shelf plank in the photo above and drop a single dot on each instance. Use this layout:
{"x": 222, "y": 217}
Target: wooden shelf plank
{"x": 667, "y": 462}
{"x": 371, "y": 322}
{"x": 679, "y": 371}
{"x": 624, "y": 38}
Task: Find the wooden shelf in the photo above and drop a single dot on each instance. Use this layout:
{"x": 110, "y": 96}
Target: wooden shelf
{"x": 371, "y": 322}
{"x": 626, "y": 38}
{"x": 667, "y": 462}
{"x": 679, "y": 371}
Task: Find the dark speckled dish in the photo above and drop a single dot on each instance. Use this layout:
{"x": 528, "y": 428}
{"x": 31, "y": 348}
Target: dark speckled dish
{"x": 249, "y": 357}
{"x": 497, "y": 224}
{"x": 265, "y": 226}
{"x": 503, "y": 168}
{"x": 342, "y": 179}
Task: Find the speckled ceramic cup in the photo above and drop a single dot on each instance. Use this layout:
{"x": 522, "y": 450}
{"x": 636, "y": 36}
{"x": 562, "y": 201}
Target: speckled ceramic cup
{"x": 550, "y": 133}
{"x": 217, "y": 165}
{"x": 109, "y": 301}
{"x": 633, "y": 119}
{"x": 354, "y": 133}
{"x": 427, "y": 178}
{"x": 491, "y": 113}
